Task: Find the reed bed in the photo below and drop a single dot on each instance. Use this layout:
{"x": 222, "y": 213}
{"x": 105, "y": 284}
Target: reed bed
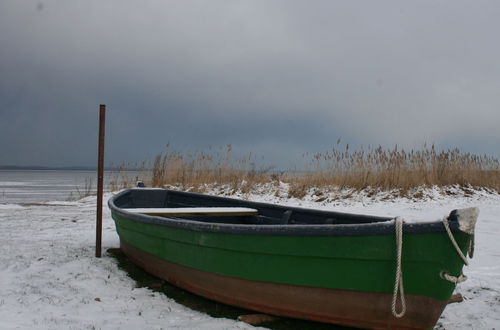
{"x": 365, "y": 168}
{"x": 398, "y": 169}
{"x": 126, "y": 175}
{"x": 195, "y": 171}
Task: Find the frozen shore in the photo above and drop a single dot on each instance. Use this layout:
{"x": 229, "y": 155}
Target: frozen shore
{"x": 49, "y": 278}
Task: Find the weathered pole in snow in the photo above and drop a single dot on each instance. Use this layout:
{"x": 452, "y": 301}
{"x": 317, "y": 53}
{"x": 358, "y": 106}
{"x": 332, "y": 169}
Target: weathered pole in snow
{"x": 100, "y": 180}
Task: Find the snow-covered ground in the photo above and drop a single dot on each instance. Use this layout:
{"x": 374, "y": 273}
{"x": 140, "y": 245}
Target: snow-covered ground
{"x": 50, "y": 279}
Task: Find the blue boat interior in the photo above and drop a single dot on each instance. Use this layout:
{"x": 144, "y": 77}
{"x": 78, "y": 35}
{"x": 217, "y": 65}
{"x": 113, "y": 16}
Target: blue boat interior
{"x": 269, "y": 214}
{"x": 271, "y": 219}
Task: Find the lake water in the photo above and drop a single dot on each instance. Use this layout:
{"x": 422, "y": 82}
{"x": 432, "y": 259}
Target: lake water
{"x": 47, "y": 185}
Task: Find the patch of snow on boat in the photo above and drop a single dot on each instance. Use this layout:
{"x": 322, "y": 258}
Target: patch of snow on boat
{"x": 467, "y": 219}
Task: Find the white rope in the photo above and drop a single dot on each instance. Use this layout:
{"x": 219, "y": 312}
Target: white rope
{"x": 453, "y": 279}
{"x": 452, "y": 239}
{"x": 398, "y": 282}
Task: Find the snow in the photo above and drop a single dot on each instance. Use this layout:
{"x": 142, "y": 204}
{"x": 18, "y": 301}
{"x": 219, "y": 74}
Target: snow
{"x": 50, "y": 279}
{"x": 467, "y": 219}
{"x": 10, "y": 206}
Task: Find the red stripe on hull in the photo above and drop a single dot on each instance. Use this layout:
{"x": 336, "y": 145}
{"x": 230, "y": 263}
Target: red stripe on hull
{"x": 345, "y": 307}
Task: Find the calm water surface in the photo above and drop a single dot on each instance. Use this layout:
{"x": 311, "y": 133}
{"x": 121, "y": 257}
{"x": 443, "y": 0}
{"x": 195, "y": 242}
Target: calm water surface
{"x": 46, "y": 185}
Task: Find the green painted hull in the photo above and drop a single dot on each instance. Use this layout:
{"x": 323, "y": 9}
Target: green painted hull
{"x": 362, "y": 263}
{"x": 348, "y": 261}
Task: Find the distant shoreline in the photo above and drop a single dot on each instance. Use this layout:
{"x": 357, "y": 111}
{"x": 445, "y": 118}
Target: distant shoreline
{"x": 61, "y": 168}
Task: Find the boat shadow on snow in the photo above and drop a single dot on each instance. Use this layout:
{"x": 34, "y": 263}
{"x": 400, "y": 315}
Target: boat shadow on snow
{"x": 203, "y": 305}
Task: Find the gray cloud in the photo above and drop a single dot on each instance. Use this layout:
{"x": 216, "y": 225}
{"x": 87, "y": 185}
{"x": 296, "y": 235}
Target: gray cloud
{"x": 277, "y": 78}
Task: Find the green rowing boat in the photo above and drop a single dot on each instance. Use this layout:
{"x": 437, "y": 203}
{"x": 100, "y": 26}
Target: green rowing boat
{"x": 349, "y": 269}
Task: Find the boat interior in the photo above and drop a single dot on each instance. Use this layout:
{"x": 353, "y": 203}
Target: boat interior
{"x": 267, "y": 214}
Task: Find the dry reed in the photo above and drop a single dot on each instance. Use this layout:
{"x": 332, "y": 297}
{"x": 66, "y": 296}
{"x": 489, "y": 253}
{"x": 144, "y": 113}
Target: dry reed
{"x": 388, "y": 169}
{"x": 197, "y": 170}
{"x": 126, "y": 175}
{"x": 364, "y": 168}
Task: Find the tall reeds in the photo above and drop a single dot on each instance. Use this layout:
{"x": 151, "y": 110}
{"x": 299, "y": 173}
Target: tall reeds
{"x": 194, "y": 171}
{"x": 396, "y": 168}
{"x": 373, "y": 168}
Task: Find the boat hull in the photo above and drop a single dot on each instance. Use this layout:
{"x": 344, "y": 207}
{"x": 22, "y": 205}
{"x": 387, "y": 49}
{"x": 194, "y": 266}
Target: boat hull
{"x": 345, "y": 307}
{"x": 337, "y": 273}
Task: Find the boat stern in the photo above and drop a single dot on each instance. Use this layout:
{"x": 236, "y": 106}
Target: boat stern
{"x": 466, "y": 219}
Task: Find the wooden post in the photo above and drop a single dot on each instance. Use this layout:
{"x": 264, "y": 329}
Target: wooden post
{"x": 100, "y": 180}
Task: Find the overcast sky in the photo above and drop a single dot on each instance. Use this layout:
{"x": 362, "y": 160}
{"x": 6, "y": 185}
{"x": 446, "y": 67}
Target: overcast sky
{"x": 275, "y": 78}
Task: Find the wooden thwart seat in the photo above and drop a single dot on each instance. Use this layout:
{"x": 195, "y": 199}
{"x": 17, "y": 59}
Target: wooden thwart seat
{"x": 188, "y": 211}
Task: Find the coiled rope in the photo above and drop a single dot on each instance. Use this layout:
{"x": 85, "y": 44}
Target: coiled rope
{"x": 398, "y": 282}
